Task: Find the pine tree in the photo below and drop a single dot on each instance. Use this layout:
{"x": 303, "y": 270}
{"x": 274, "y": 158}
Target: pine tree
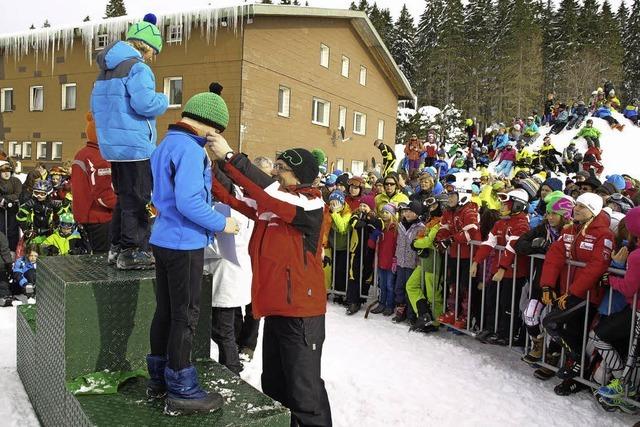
{"x": 589, "y": 23}
{"x": 115, "y": 8}
{"x": 46, "y": 24}
{"x": 564, "y": 49}
{"x": 427, "y": 65}
{"x": 381, "y": 20}
{"x": 86, "y": 19}
{"x": 609, "y": 47}
{"x": 451, "y": 44}
{"x": 621, "y": 16}
{"x": 402, "y": 45}
{"x": 632, "y": 53}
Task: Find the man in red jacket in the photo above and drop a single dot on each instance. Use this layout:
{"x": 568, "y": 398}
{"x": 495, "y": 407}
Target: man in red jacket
{"x": 288, "y": 280}
{"x": 588, "y": 240}
{"x": 94, "y": 199}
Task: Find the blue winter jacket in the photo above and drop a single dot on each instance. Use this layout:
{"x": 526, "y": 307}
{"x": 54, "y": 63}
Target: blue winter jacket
{"x": 630, "y": 112}
{"x": 182, "y": 193}
{"x": 125, "y": 104}
{"x": 500, "y": 141}
{"x": 20, "y": 268}
{"x": 602, "y": 112}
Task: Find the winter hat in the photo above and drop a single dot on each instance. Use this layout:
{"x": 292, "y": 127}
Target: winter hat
{"x": 303, "y": 164}
{"x": 617, "y": 181}
{"x": 337, "y": 195}
{"x": 530, "y": 185}
{"x": 632, "y": 221}
{"x": 209, "y": 108}
{"x": 592, "y": 181}
{"x": 356, "y": 181}
{"x": 414, "y": 206}
{"x": 330, "y": 180}
{"x": 431, "y": 171}
{"x": 147, "y": 32}
{"x": 606, "y": 189}
{"x": 583, "y": 174}
{"x": 516, "y": 127}
{"x": 561, "y": 204}
{"x": 391, "y": 208}
{"x": 553, "y": 183}
{"x": 591, "y": 201}
{"x": 5, "y": 166}
{"x": 90, "y": 128}
{"x": 369, "y": 201}
{"x": 343, "y": 179}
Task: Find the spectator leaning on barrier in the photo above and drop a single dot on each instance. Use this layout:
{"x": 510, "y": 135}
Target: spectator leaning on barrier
{"x": 10, "y": 190}
{"x": 392, "y": 193}
{"x": 590, "y": 241}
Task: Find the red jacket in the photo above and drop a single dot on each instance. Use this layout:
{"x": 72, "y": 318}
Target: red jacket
{"x": 505, "y": 232}
{"x": 413, "y": 149}
{"x": 387, "y": 246}
{"x": 462, "y": 226}
{"x": 94, "y": 199}
{"x": 286, "y": 245}
{"x": 431, "y": 148}
{"x": 592, "y": 246}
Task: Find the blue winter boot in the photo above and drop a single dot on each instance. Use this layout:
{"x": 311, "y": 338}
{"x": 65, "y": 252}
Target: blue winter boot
{"x": 184, "y": 394}
{"x": 156, "y": 386}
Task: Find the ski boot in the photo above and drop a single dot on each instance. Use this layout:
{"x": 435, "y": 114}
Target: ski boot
{"x": 185, "y": 396}
{"x": 535, "y": 354}
{"x": 135, "y": 259}
{"x": 156, "y": 386}
{"x": 401, "y": 314}
{"x": 569, "y": 386}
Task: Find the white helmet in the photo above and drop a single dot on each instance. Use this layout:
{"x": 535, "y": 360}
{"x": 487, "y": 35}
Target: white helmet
{"x": 464, "y": 190}
{"x": 519, "y": 197}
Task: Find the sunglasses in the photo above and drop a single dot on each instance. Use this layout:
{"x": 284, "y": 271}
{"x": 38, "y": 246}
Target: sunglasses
{"x": 389, "y": 184}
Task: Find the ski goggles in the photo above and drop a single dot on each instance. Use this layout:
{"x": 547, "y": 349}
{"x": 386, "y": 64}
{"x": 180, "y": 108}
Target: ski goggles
{"x": 39, "y": 193}
{"x": 503, "y": 197}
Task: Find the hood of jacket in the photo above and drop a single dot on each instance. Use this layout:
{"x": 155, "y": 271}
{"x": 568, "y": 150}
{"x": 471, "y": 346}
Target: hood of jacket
{"x": 115, "y": 53}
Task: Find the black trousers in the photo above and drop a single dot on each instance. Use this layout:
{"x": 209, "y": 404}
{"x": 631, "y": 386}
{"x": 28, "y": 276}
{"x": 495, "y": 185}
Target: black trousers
{"x": 614, "y": 329}
{"x": 99, "y": 237}
{"x": 9, "y": 225}
{"x": 249, "y": 332}
{"x": 132, "y": 183}
{"x": 178, "y": 285}
{"x": 567, "y": 327}
{"x": 225, "y": 328}
{"x": 291, "y": 360}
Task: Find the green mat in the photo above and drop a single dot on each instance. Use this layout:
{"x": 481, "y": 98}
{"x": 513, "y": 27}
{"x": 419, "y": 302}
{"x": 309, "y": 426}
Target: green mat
{"x": 103, "y": 382}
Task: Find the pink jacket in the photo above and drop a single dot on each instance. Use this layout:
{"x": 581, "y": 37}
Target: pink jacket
{"x": 630, "y": 283}
{"x": 508, "y": 155}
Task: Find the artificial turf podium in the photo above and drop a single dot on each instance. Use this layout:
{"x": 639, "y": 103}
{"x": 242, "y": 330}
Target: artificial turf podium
{"x": 91, "y": 317}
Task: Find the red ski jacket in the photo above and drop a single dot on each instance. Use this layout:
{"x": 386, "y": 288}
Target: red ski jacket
{"x": 93, "y": 196}
{"x": 592, "y": 245}
{"x": 286, "y": 245}
{"x": 386, "y": 246}
{"x": 505, "y": 232}
{"x": 462, "y": 226}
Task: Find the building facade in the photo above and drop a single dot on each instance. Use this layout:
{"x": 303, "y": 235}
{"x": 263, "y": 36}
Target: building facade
{"x": 292, "y": 77}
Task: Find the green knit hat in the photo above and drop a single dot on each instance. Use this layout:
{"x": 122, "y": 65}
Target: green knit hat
{"x": 147, "y": 32}
{"x": 208, "y": 108}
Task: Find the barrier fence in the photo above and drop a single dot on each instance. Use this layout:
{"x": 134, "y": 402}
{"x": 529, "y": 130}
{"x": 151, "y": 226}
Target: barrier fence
{"x": 439, "y": 286}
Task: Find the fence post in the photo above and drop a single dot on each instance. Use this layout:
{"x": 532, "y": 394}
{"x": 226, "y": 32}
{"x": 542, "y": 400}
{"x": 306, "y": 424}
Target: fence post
{"x": 484, "y": 286}
{"x": 513, "y": 298}
{"x": 470, "y": 285}
{"x": 584, "y": 334}
{"x": 457, "y": 297}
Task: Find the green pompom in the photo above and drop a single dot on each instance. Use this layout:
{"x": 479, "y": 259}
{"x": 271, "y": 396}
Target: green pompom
{"x": 320, "y": 156}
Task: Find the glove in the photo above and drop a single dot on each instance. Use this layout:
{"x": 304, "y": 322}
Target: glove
{"x": 562, "y": 301}
{"x": 394, "y": 265}
{"x": 604, "y": 280}
{"x": 443, "y": 245}
{"x": 540, "y": 243}
{"x": 473, "y": 270}
{"x": 326, "y": 261}
{"x": 375, "y": 235}
{"x": 548, "y": 295}
{"x": 231, "y": 226}
{"x": 30, "y": 234}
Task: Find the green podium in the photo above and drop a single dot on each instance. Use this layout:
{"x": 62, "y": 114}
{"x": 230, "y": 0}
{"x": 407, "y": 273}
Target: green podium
{"x": 91, "y": 317}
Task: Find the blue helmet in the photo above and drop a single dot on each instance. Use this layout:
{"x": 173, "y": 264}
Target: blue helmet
{"x": 43, "y": 186}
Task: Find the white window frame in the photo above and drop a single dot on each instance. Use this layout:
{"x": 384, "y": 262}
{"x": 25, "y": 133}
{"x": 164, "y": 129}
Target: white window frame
{"x": 380, "y": 129}
{"x": 325, "y": 54}
{"x": 167, "y": 90}
{"x": 54, "y": 146}
{"x": 345, "y": 65}
{"x": 27, "y": 147}
{"x": 363, "y": 75}
{"x": 340, "y": 164}
{"x": 15, "y": 149}
{"x": 342, "y": 117}
{"x": 284, "y": 101}
{"x": 362, "y": 130}
{"x": 41, "y": 150}
{"x": 3, "y": 107}
{"x": 31, "y": 97}
{"x": 357, "y": 167}
{"x": 64, "y": 87}
{"x": 174, "y": 33}
{"x": 101, "y": 41}
{"x": 326, "y": 106}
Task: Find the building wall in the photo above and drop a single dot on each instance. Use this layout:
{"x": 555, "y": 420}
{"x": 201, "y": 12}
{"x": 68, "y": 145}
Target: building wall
{"x": 284, "y": 51}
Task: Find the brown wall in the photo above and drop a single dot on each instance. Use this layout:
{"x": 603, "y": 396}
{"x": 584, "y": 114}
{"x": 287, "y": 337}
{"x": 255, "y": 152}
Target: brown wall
{"x": 286, "y": 51}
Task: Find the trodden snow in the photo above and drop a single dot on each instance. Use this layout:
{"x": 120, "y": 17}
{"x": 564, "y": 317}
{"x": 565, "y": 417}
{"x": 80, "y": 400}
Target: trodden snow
{"x": 379, "y": 374}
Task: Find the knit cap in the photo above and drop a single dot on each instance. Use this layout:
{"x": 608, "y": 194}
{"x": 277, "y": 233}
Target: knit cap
{"x": 90, "y": 129}
{"x": 632, "y": 221}
{"x": 337, "y": 195}
{"x": 559, "y": 203}
{"x": 553, "y": 183}
{"x": 391, "y": 208}
{"x": 369, "y": 201}
{"x": 210, "y": 109}
{"x": 617, "y": 181}
{"x": 591, "y": 201}
{"x": 147, "y": 32}
{"x": 303, "y": 164}
{"x": 530, "y": 185}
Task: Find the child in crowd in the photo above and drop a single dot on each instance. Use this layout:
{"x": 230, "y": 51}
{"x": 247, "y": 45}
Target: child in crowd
{"x": 36, "y": 216}
{"x": 386, "y": 239}
{"x": 24, "y": 272}
{"x": 339, "y": 242}
{"x": 66, "y": 239}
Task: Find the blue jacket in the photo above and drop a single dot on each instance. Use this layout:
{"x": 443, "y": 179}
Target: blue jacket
{"x": 20, "y": 267}
{"x": 182, "y": 193}
{"x": 602, "y": 112}
{"x": 500, "y": 141}
{"x": 125, "y": 104}
{"x": 630, "y": 112}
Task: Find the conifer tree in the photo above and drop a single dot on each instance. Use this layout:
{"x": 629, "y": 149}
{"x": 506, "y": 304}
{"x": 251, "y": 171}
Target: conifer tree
{"x": 632, "y": 53}
{"x": 478, "y": 34}
{"x": 115, "y": 8}
{"x": 609, "y": 47}
{"x": 564, "y": 49}
{"x": 402, "y": 45}
{"x": 448, "y": 51}
{"x": 427, "y": 40}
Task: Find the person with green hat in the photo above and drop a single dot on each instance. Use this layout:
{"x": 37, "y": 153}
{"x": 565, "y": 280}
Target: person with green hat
{"x": 125, "y": 105}
{"x": 184, "y": 226}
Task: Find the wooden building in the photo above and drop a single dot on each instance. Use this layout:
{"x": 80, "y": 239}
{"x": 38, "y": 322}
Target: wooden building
{"x": 292, "y": 77}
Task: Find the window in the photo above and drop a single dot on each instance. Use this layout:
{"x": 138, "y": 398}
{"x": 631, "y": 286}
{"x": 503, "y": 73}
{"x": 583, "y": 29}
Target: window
{"x": 359, "y": 123}
{"x": 2, "y": 147}
{"x": 15, "y": 149}
{"x": 174, "y": 34}
{"x": 284, "y": 95}
{"x": 36, "y": 98}
{"x": 321, "y": 109}
{"x": 342, "y": 118}
{"x": 363, "y": 75}
{"x": 102, "y": 40}
{"x": 380, "y": 129}
{"x": 357, "y": 167}
{"x": 324, "y": 55}
{"x": 173, "y": 90}
{"x": 69, "y": 96}
{"x": 340, "y": 164}
{"x": 41, "y": 150}
{"x": 345, "y": 66}
{"x": 6, "y": 100}
{"x": 56, "y": 151}
{"x": 26, "y": 150}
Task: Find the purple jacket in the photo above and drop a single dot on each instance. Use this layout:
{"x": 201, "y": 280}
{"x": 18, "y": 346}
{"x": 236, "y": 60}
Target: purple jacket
{"x": 508, "y": 155}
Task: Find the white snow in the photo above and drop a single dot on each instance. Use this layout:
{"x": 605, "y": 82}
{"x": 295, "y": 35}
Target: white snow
{"x": 378, "y": 374}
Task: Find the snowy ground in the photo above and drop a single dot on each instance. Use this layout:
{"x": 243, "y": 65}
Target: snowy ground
{"x": 380, "y": 375}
